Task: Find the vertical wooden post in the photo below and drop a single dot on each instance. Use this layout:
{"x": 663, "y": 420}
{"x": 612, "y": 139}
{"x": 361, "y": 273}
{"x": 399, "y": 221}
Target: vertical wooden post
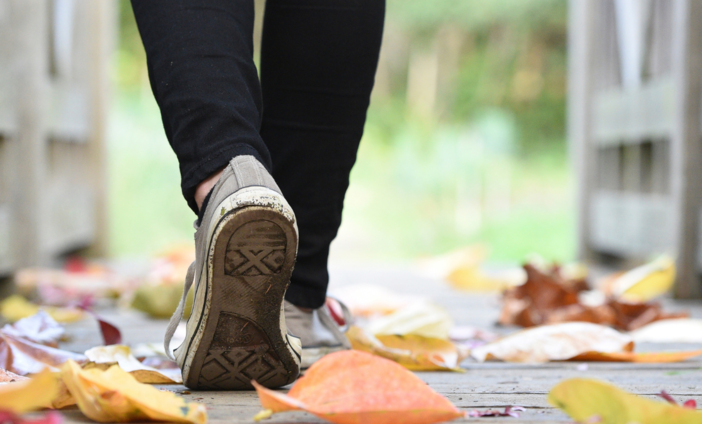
{"x": 102, "y": 29}
{"x": 686, "y": 143}
{"x": 580, "y": 29}
{"x": 31, "y": 97}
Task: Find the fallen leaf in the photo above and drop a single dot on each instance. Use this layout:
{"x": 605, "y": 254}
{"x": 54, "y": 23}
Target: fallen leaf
{"x": 690, "y": 403}
{"x": 356, "y": 387}
{"x": 10, "y": 377}
{"x": 510, "y": 411}
{"x": 682, "y": 330}
{"x": 548, "y": 298}
{"x": 416, "y": 353}
{"x": 110, "y": 334}
{"x": 643, "y": 283}
{"x": 529, "y": 304}
{"x": 29, "y": 395}
{"x": 51, "y": 417}
{"x": 16, "y": 307}
{"x": 368, "y": 301}
{"x": 584, "y": 399}
{"x": 105, "y": 356}
{"x": 25, "y": 357}
{"x": 38, "y": 328}
{"x": 644, "y": 358}
{"x": 161, "y": 300}
{"x": 556, "y": 342}
{"x": 116, "y": 396}
{"x": 418, "y": 318}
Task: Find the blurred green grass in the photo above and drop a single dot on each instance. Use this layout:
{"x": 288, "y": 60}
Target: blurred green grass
{"x": 486, "y": 163}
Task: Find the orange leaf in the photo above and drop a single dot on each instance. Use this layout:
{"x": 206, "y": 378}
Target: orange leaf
{"x": 356, "y": 387}
{"x": 647, "y": 358}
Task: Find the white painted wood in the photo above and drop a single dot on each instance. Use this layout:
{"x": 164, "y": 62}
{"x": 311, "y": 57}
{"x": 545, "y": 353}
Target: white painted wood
{"x": 686, "y": 152}
{"x": 580, "y": 44}
{"x": 631, "y": 116}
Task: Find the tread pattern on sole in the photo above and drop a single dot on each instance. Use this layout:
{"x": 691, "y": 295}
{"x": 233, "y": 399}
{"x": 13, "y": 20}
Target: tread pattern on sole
{"x": 257, "y": 248}
{"x": 240, "y": 352}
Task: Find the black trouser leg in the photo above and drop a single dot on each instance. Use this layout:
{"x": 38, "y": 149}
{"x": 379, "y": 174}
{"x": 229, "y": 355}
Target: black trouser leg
{"x": 318, "y": 64}
{"x": 200, "y": 59}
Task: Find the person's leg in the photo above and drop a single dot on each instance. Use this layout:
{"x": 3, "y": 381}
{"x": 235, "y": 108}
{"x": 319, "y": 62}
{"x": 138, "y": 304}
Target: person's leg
{"x": 200, "y": 60}
{"x": 318, "y": 63}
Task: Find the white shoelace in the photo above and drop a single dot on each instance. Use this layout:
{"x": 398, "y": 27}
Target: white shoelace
{"x": 178, "y": 314}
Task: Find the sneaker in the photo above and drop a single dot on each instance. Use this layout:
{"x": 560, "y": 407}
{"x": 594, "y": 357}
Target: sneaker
{"x": 245, "y": 251}
{"x": 321, "y": 331}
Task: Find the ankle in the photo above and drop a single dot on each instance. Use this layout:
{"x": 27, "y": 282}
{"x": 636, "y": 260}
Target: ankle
{"x": 203, "y": 189}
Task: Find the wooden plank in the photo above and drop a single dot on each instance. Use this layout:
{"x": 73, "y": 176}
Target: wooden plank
{"x": 102, "y": 27}
{"x": 686, "y": 149}
{"x": 30, "y": 21}
{"x": 634, "y": 115}
{"x": 580, "y": 66}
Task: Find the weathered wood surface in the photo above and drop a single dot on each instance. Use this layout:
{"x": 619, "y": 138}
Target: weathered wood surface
{"x": 489, "y": 385}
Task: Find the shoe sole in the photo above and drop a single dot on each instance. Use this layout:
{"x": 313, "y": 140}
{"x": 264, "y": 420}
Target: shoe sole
{"x": 252, "y": 254}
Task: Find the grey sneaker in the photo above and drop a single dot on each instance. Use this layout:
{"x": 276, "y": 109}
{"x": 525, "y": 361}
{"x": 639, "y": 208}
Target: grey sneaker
{"x": 319, "y": 332}
{"x": 245, "y": 251}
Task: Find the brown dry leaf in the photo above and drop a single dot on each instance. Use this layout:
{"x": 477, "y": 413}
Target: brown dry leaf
{"x": 547, "y": 298}
{"x": 556, "y": 342}
{"x": 645, "y": 358}
{"x": 116, "y": 396}
{"x": 103, "y": 357}
{"x": 29, "y": 395}
{"x": 416, "y": 353}
{"x": 593, "y": 401}
{"x": 356, "y": 387}
{"x": 529, "y": 304}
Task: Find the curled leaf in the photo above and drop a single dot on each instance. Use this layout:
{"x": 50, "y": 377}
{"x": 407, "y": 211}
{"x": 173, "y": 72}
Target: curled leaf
{"x": 29, "y": 395}
{"x": 643, "y": 283}
{"x": 644, "y": 358}
{"x": 116, "y": 396}
{"x": 583, "y": 399}
{"x": 556, "y": 342}
{"x": 353, "y": 387}
{"x": 25, "y": 357}
{"x": 105, "y": 356}
{"x": 415, "y": 353}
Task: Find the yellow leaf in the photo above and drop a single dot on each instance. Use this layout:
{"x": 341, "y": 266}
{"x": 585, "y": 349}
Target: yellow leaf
{"x": 103, "y": 357}
{"x": 596, "y": 401}
{"x": 645, "y": 282}
{"x": 16, "y": 307}
{"x": 29, "y": 395}
{"x": 416, "y": 353}
{"x": 422, "y": 318}
{"x": 116, "y": 396}
{"x": 160, "y": 301}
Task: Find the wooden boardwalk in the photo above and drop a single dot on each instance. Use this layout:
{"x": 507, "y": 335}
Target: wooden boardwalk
{"x": 488, "y": 385}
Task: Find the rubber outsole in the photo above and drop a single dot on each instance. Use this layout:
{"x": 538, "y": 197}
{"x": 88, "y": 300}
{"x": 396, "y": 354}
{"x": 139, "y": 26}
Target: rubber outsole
{"x": 253, "y": 258}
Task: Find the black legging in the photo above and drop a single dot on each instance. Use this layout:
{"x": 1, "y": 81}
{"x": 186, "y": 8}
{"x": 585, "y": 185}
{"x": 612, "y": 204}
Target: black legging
{"x": 303, "y": 121}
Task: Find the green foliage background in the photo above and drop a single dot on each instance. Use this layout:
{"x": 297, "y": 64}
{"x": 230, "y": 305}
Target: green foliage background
{"x": 507, "y": 88}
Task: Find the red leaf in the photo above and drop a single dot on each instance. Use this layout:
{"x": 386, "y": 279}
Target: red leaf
{"x": 110, "y": 334}
{"x": 667, "y": 397}
{"x": 690, "y": 403}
